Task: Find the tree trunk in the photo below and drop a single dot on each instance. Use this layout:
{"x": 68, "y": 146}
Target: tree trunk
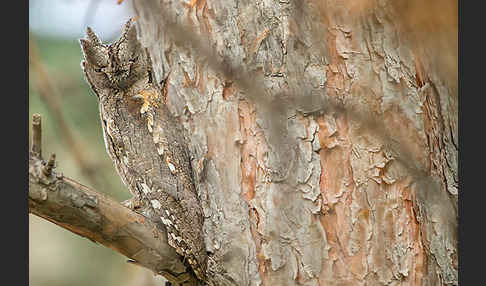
{"x": 323, "y": 135}
{"x": 326, "y": 133}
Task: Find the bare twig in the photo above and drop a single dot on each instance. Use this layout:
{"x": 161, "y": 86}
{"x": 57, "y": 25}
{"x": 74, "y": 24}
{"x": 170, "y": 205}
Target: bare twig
{"x": 50, "y": 95}
{"x": 36, "y": 136}
{"x": 47, "y": 169}
{"x": 102, "y": 220}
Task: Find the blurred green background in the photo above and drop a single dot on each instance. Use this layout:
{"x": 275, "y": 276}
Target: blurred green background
{"x": 57, "y": 256}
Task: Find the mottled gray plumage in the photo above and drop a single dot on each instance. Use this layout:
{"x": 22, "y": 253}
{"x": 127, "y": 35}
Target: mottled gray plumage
{"x": 145, "y": 141}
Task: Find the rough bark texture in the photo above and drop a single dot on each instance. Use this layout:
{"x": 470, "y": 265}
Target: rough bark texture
{"x": 335, "y": 163}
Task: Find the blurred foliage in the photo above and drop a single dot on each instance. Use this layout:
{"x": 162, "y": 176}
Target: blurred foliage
{"x": 57, "y": 256}
{"x": 61, "y": 59}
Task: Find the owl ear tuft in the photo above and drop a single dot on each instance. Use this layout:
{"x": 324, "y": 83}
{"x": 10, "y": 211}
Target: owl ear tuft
{"x": 92, "y": 37}
{"x": 131, "y": 35}
{"x": 126, "y": 29}
{"x": 128, "y": 43}
{"x": 94, "y": 54}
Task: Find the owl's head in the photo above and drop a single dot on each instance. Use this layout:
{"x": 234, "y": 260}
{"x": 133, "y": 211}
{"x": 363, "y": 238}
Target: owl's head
{"x": 117, "y": 65}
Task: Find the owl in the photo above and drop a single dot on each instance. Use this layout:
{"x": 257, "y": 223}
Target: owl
{"x": 145, "y": 142}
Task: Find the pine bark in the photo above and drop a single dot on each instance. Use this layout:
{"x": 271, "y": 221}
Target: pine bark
{"x": 324, "y": 132}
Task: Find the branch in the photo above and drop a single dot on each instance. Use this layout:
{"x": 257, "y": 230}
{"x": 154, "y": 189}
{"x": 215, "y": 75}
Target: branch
{"x": 36, "y": 136}
{"x": 99, "y": 218}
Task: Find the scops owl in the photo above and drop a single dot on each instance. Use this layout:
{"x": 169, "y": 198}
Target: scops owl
{"x": 145, "y": 142}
